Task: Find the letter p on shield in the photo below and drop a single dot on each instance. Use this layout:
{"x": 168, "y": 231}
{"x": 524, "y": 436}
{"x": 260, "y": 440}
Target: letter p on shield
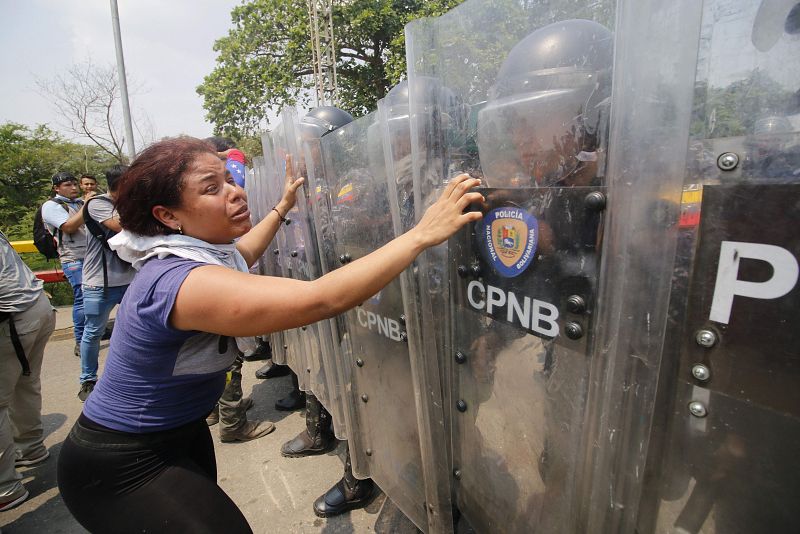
{"x": 784, "y": 276}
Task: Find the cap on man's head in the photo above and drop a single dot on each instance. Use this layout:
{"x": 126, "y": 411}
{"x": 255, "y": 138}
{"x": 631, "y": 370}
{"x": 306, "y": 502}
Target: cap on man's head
{"x": 63, "y": 176}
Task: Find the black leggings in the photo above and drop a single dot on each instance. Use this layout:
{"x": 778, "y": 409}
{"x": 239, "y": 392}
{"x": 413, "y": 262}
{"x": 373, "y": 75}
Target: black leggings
{"x": 159, "y": 482}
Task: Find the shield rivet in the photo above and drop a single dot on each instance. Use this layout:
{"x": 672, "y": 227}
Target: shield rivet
{"x": 342, "y": 259}
{"x": 573, "y": 330}
{"x": 308, "y": 369}
{"x": 727, "y": 161}
{"x": 365, "y": 397}
{"x": 402, "y": 319}
{"x": 595, "y": 201}
{"x": 701, "y": 372}
{"x": 460, "y": 357}
{"x": 706, "y": 338}
{"x": 698, "y": 409}
{"x": 360, "y": 362}
{"x": 457, "y": 473}
{"x": 276, "y": 251}
{"x": 403, "y": 337}
{"x": 576, "y": 304}
{"x": 461, "y": 406}
{"x": 303, "y": 328}
{"x": 462, "y": 271}
{"x": 368, "y": 452}
{"x": 288, "y": 222}
{"x": 476, "y": 270}
{"x": 293, "y": 254}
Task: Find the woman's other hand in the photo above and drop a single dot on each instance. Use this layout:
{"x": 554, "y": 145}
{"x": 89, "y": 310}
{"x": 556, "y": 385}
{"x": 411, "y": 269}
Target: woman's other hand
{"x": 290, "y": 188}
{"x": 445, "y": 216}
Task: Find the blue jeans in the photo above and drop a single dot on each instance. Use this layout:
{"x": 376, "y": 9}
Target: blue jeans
{"x": 74, "y": 273}
{"x": 97, "y": 307}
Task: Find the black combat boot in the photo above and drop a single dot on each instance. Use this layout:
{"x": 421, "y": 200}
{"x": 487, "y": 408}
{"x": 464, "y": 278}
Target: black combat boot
{"x": 263, "y": 351}
{"x": 295, "y": 400}
{"x": 271, "y": 370}
{"x": 316, "y": 438}
{"x": 347, "y": 494}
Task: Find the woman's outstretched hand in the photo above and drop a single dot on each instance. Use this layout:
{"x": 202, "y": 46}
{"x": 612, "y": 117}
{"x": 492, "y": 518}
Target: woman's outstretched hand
{"x": 446, "y": 215}
{"x": 290, "y": 188}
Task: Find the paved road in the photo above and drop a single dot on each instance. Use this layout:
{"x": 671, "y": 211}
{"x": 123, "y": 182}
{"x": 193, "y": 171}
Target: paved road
{"x": 274, "y": 493}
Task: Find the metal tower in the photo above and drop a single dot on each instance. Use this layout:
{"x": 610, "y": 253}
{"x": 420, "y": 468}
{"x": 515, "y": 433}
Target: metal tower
{"x": 320, "y": 18}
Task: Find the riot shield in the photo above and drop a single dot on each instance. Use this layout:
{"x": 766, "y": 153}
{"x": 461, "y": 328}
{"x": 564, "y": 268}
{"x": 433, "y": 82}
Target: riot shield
{"x": 394, "y": 121}
{"x": 332, "y": 332}
{"x": 252, "y": 187}
{"x": 382, "y": 382}
{"x": 705, "y": 174}
{"x": 290, "y": 243}
{"x": 525, "y": 109}
{"x": 270, "y": 194}
{"x": 306, "y": 266}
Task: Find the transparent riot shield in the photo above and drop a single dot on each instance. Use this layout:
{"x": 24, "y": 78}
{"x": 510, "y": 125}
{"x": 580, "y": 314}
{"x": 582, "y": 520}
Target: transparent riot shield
{"x": 269, "y": 195}
{"x": 382, "y": 381}
{"x": 702, "y": 298}
{"x": 290, "y": 243}
{"x": 521, "y": 102}
{"x": 306, "y": 265}
{"x": 316, "y": 205}
{"x": 254, "y": 188}
{"x": 393, "y": 119}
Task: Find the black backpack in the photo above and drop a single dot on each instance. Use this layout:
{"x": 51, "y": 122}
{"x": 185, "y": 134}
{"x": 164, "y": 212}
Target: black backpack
{"x": 43, "y": 240}
{"x": 98, "y": 232}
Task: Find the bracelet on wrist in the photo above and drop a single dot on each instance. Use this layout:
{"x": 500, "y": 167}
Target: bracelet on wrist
{"x": 281, "y": 217}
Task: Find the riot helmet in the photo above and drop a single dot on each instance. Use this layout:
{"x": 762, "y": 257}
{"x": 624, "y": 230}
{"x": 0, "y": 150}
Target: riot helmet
{"x": 435, "y": 106}
{"x": 772, "y": 150}
{"x": 548, "y": 107}
{"x": 323, "y": 120}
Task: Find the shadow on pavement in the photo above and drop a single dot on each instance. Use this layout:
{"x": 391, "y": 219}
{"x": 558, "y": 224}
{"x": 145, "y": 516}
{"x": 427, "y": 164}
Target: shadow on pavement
{"x": 50, "y": 514}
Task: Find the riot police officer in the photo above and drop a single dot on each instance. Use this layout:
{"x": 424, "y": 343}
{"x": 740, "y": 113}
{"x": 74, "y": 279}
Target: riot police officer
{"x": 540, "y": 143}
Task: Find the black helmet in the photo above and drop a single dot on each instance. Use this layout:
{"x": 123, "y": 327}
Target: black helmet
{"x": 548, "y": 104}
{"x": 768, "y": 144}
{"x": 322, "y": 120}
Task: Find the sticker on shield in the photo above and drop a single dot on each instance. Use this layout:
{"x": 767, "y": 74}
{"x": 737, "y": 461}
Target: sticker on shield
{"x": 509, "y": 237}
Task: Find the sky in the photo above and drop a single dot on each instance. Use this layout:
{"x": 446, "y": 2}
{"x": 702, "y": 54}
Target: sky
{"x": 167, "y": 47}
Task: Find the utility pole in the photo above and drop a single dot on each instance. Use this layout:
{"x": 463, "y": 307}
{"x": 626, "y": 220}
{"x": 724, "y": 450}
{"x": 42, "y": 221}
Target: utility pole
{"x": 123, "y": 80}
{"x": 323, "y": 50}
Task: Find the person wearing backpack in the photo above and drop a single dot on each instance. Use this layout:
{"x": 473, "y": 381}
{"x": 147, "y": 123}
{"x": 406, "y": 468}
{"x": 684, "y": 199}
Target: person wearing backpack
{"x": 105, "y": 276}
{"x": 63, "y": 218}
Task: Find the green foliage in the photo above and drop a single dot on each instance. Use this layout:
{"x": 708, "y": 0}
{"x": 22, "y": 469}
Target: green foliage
{"x": 28, "y": 159}
{"x": 732, "y": 110}
{"x": 265, "y": 60}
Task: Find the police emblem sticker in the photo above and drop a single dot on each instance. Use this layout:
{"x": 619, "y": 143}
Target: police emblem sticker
{"x": 510, "y": 236}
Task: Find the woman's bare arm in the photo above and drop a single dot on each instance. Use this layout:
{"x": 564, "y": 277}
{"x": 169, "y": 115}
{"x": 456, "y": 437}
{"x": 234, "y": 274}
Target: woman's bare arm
{"x": 219, "y": 300}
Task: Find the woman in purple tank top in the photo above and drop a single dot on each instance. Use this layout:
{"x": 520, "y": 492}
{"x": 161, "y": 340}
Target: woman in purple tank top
{"x": 143, "y": 435}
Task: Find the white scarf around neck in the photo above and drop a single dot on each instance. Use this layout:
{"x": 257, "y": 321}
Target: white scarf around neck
{"x": 137, "y": 249}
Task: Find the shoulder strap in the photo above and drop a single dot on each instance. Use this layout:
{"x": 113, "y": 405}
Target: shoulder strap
{"x": 95, "y": 228}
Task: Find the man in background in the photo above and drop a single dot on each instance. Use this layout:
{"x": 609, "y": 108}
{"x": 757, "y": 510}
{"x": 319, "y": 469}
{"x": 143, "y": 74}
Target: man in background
{"x": 63, "y": 216}
{"x": 26, "y": 321}
{"x": 88, "y": 186}
{"x": 105, "y": 276}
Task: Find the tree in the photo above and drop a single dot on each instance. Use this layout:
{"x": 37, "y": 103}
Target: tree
{"x": 86, "y": 97}
{"x": 733, "y": 109}
{"x": 265, "y": 60}
{"x": 28, "y": 159}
